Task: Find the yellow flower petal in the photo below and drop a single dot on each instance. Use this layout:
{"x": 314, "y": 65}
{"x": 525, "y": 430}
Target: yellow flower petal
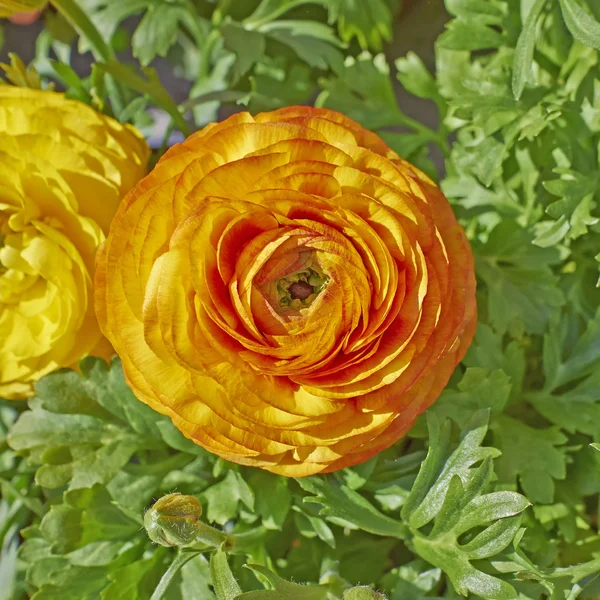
{"x": 63, "y": 170}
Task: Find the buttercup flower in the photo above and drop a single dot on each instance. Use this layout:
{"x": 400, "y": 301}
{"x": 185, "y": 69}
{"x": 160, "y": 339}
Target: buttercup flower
{"x": 11, "y": 7}
{"x": 63, "y": 170}
{"x": 288, "y": 290}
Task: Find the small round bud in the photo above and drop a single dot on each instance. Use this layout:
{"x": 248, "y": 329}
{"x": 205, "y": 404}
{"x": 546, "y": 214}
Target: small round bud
{"x": 363, "y": 592}
{"x": 173, "y": 520}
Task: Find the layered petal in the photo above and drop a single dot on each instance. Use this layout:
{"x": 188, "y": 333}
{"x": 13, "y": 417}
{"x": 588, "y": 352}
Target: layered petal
{"x": 63, "y": 171}
{"x": 288, "y": 290}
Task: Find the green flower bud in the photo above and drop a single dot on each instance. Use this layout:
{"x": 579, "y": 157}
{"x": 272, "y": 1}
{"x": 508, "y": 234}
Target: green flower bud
{"x": 174, "y": 520}
{"x": 363, "y": 592}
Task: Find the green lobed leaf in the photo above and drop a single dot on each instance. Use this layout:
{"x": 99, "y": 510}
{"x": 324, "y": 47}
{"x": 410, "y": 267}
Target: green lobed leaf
{"x": 341, "y": 502}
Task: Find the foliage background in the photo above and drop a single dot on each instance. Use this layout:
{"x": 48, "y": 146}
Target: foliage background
{"x": 505, "y": 504}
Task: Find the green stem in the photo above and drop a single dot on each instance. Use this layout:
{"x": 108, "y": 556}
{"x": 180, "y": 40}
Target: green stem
{"x": 220, "y": 11}
{"x": 152, "y": 87}
{"x": 250, "y": 25}
{"x": 84, "y": 26}
{"x": 209, "y": 536}
{"x": 245, "y": 541}
{"x": 100, "y": 49}
{"x": 433, "y": 135}
{"x": 213, "y": 37}
{"x": 222, "y": 96}
{"x": 230, "y": 542}
{"x": 579, "y": 572}
{"x": 181, "y": 558}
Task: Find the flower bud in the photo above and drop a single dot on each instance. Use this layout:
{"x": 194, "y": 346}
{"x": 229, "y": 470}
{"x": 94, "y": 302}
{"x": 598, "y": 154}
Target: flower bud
{"x": 363, "y": 592}
{"x": 173, "y": 520}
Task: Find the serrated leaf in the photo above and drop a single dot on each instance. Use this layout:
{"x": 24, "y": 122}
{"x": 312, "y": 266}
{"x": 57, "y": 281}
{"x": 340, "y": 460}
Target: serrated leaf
{"x": 248, "y": 46}
{"x": 369, "y": 22}
{"x": 456, "y": 503}
{"x": 341, "y": 502}
{"x": 273, "y": 498}
{"x": 468, "y": 452}
{"x": 157, "y": 31}
{"x": 532, "y": 455}
{"x": 313, "y": 42}
{"x": 521, "y": 286}
{"x": 223, "y": 498}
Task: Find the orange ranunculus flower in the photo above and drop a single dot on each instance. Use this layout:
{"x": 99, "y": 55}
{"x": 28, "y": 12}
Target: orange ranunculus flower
{"x": 63, "y": 171}
{"x": 288, "y": 290}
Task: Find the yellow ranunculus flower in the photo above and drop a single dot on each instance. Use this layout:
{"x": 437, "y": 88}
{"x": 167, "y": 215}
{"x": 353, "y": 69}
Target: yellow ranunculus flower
{"x": 63, "y": 170}
{"x": 10, "y": 7}
{"x": 288, "y": 290}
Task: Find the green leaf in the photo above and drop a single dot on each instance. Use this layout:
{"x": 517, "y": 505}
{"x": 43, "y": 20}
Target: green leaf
{"x": 451, "y": 493}
{"x": 576, "y": 190}
{"x": 428, "y": 493}
{"x": 107, "y": 16}
{"x": 135, "y": 581}
{"x": 224, "y": 583}
{"x": 369, "y": 22}
{"x": 274, "y": 86}
{"x": 521, "y": 287}
{"x": 196, "y": 580}
{"x": 490, "y": 351}
{"x": 341, "y": 502}
{"x": 416, "y": 78}
{"x": 248, "y": 47}
{"x": 311, "y": 527}
{"x": 534, "y": 456}
{"x": 313, "y": 42}
{"x": 223, "y": 498}
{"x": 523, "y": 59}
{"x": 273, "y": 498}
{"x": 469, "y": 35}
{"x": 581, "y": 24}
{"x": 157, "y": 31}
{"x": 363, "y": 91}
{"x": 149, "y": 85}
{"x": 583, "y": 357}
{"x": 478, "y": 389}
{"x": 216, "y": 81}
{"x": 87, "y": 515}
{"x": 283, "y": 590}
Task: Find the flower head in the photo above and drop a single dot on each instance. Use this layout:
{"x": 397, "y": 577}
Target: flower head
{"x": 288, "y": 290}
{"x": 63, "y": 170}
{"x": 173, "y": 520}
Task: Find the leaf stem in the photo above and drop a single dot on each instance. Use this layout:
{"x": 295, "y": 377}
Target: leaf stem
{"x": 212, "y": 38}
{"x": 278, "y": 12}
{"x": 77, "y": 17}
{"x": 221, "y": 96}
{"x": 152, "y": 87}
{"x": 181, "y": 558}
{"x": 82, "y": 23}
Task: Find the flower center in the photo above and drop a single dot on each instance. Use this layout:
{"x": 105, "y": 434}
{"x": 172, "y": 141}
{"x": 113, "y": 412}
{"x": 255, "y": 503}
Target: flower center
{"x": 300, "y": 289}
